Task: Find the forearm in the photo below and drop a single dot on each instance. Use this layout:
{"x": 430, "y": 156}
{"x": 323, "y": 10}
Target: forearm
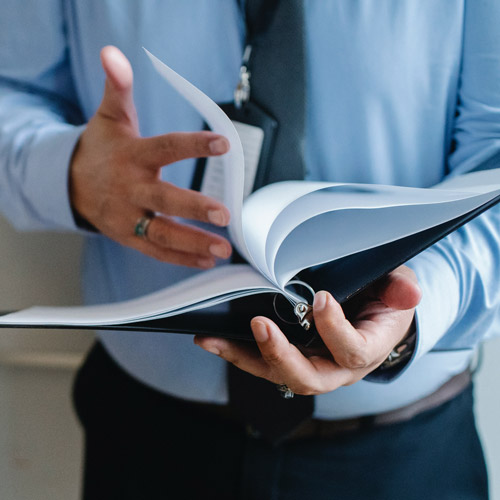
{"x": 36, "y": 145}
{"x": 37, "y": 104}
{"x": 459, "y": 281}
{"x": 459, "y": 275}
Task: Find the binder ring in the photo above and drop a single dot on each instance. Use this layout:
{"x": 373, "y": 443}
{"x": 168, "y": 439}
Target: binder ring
{"x": 279, "y": 315}
{"x": 293, "y": 282}
{"x": 304, "y": 284}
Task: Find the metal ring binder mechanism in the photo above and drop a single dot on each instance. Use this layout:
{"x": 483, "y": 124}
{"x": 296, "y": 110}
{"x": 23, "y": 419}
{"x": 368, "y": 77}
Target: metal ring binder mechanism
{"x": 302, "y": 309}
{"x": 304, "y": 312}
{"x": 341, "y": 266}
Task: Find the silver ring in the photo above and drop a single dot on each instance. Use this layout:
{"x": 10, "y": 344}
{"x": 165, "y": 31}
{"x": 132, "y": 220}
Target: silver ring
{"x": 286, "y": 392}
{"x": 142, "y": 224}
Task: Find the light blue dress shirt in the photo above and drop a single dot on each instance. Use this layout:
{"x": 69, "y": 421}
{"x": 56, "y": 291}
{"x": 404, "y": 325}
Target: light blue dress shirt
{"x": 398, "y": 91}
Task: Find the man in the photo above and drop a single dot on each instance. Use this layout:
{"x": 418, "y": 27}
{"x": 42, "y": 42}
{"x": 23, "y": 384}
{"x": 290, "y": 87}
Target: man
{"x": 399, "y": 93}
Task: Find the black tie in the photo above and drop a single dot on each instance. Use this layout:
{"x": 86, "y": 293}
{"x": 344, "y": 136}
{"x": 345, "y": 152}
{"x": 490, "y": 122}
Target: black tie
{"x": 278, "y": 81}
{"x": 278, "y": 86}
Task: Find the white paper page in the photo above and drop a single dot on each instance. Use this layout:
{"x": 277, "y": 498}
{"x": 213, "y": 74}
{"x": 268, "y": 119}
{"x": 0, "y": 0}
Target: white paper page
{"x": 202, "y": 290}
{"x": 252, "y": 138}
{"x": 263, "y": 207}
{"x": 333, "y": 235}
{"x": 460, "y": 195}
{"x": 278, "y": 208}
{"x": 474, "y": 181}
{"x": 359, "y": 196}
{"x": 233, "y": 161}
{"x": 213, "y": 178}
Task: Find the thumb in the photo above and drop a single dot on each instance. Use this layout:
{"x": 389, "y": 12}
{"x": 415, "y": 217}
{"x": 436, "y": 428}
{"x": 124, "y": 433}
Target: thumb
{"x": 118, "y": 102}
{"x": 400, "y": 289}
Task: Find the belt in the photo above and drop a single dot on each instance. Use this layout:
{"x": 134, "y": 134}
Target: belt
{"x": 329, "y": 428}
{"x": 316, "y": 428}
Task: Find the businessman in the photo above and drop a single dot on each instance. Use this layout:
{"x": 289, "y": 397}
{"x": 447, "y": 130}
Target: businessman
{"x": 91, "y": 140}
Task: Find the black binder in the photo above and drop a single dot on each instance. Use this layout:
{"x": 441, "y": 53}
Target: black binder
{"x": 343, "y": 278}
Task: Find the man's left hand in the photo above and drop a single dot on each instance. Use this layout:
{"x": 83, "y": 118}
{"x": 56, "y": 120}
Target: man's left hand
{"x": 352, "y": 349}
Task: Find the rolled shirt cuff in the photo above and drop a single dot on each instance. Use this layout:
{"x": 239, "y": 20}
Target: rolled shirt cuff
{"x": 46, "y": 185}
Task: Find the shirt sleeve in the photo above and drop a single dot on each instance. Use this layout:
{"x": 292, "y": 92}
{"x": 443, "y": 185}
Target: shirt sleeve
{"x": 460, "y": 305}
{"x": 39, "y": 116}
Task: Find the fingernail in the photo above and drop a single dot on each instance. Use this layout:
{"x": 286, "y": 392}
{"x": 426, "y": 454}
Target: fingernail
{"x": 220, "y": 250}
{"x": 217, "y": 217}
{"x": 206, "y": 263}
{"x": 260, "y": 331}
{"x": 218, "y": 146}
{"x": 319, "y": 301}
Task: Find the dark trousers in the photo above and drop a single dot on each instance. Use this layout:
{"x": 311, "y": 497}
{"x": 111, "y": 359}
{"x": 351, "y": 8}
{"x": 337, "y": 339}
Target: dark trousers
{"x": 141, "y": 444}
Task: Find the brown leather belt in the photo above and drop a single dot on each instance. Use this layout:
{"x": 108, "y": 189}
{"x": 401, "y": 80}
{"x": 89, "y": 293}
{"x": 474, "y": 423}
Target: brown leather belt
{"x": 316, "y": 428}
{"x": 329, "y": 428}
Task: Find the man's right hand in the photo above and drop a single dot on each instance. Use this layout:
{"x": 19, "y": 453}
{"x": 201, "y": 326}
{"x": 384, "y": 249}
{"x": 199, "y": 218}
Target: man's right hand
{"x": 115, "y": 179}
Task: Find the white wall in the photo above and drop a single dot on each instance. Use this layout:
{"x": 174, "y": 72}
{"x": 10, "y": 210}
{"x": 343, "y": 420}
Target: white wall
{"x": 488, "y": 410}
{"x": 40, "y": 440}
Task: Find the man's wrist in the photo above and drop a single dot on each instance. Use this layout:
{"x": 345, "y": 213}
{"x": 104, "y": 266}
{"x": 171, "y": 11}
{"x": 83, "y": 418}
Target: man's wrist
{"x": 83, "y": 223}
{"x": 403, "y": 351}
{"x": 398, "y": 359}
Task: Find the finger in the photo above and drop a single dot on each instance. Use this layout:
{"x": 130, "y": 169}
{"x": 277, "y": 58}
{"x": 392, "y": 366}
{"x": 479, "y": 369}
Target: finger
{"x": 167, "y": 199}
{"x": 117, "y": 102}
{"x": 239, "y": 353}
{"x": 169, "y": 148}
{"x": 169, "y": 234}
{"x": 400, "y": 289}
{"x": 348, "y": 347}
{"x": 307, "y": 376}
{"x": 278, "y": 361}
{"x": 124, "y": 232}
{"x": 171, "y": 256}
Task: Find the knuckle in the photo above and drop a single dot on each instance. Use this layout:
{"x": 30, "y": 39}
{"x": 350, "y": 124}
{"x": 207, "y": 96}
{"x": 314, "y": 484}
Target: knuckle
{"x": 199, "y": 211}
{"x": 195, "y": 205}
{"x": 160, "y": 200}
{"x": 157, "y": 200}
{"x": 325, "y": 324}
{"x": 162, "y": 150}
{"x": 353, "y": 359}
{"x": 179, "y": 145}
{"x": 167, "y": 145}
{"x": 162, "y": 235}
{"x": 173, "y": 257}
{"x": 202, "y": 144}
{"x": 273, "y": 358}
{"x": 233, "y": 357}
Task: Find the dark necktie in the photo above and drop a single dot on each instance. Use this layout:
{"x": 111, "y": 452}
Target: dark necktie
{"x": 278, "y": 86}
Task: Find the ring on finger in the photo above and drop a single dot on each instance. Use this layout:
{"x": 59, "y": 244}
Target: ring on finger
{"x": 142, "y": 225}
{"x": 286, "y": 392}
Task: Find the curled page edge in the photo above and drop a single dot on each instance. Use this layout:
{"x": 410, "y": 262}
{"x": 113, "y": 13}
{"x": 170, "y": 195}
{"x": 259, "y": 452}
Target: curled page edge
{"x": 233, "y": 160}
{"x": 197, "y": 292}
